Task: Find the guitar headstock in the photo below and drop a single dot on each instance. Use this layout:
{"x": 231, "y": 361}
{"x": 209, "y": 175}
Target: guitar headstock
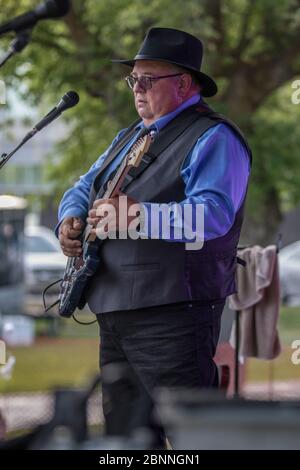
{"x": 140, "y": 147}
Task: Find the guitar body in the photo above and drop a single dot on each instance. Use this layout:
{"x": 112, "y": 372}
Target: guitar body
{"x": 80, "y": 269}
{"x": 78, "y": 272}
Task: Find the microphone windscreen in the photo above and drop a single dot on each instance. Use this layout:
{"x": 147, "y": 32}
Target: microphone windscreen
{"x": 71, "y": 98}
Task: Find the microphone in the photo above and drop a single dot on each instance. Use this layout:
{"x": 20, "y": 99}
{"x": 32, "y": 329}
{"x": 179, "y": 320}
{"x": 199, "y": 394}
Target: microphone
{"x": 47, "y": 10}
{"x": 69, "y": 100}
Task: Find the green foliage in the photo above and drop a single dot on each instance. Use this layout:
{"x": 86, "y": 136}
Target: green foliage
{"x": 275, "y": 144}
{"x": 252, "y": 48}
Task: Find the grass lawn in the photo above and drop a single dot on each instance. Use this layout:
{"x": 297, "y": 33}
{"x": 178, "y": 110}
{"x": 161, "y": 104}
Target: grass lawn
{"x": 68, "y": 360}
{"x": 51, "y": 363}
{"x": 282, "y": 367}
{"x": 71, "y": 359}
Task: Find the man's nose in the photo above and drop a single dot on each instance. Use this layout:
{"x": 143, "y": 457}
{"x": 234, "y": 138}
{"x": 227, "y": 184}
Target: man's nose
{"x": 137, "y": 88}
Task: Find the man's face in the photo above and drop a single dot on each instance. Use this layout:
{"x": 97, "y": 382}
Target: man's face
{"x": 163, "y": 97}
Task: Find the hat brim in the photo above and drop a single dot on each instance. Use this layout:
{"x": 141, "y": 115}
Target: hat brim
{"x": 209, "y": 86}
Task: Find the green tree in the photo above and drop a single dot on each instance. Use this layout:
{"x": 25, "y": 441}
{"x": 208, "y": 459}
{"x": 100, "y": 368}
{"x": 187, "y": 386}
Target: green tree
{"x": 252, "y": 48}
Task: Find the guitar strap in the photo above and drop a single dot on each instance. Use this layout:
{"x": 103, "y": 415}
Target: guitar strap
{"x": 128, "y": 134}
{"x": 167, "y": 135}
{"x": 171, "y": 132}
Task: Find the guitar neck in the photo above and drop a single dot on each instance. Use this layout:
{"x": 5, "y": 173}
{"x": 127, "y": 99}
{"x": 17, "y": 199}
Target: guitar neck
{"x": 113, "y": 186}
{"x": 133, "y": 158}
{"x": 112, "y": 189}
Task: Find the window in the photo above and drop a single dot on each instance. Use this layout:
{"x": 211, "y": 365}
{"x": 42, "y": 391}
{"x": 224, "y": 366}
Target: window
{"x": 36, "y": 244}
{"x": 11, "y": 256}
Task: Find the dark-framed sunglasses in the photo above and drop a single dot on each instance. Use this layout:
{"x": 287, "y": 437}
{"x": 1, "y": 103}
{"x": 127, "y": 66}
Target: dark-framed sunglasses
{"x": 144, "y": 81}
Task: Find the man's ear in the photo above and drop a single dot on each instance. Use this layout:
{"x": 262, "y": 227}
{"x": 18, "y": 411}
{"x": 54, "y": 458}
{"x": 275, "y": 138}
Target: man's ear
{"x": 185, "y": 82}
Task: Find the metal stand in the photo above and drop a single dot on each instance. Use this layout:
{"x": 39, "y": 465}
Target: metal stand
{"x": 236, "y": 354}
{"x": 237, "y": 329}
{"x": 17, "y": 45}
{"x": 5, "y": 157}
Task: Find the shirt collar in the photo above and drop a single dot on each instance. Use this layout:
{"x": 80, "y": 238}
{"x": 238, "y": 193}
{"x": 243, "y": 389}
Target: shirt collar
{"x": 163, "y": 120}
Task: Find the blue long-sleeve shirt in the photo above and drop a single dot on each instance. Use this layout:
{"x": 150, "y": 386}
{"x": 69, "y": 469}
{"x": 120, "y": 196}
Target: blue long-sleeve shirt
{"x": 215, "y": 174}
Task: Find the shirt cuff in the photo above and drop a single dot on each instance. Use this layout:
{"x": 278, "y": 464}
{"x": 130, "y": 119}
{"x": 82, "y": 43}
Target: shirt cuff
{"x": 69, "y": 213}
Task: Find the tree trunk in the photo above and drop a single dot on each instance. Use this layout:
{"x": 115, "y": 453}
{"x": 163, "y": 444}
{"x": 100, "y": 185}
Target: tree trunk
{"x": 264, "y": 230}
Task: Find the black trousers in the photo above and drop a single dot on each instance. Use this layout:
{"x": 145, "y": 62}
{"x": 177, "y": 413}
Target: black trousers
{"x": 141, "y": 350}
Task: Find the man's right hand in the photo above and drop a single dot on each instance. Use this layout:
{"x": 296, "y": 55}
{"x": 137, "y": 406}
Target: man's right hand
{"x": 69, "y": 230}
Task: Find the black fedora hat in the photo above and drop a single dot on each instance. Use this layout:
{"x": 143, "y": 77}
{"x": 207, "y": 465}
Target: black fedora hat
{"x": 175, "y": 47}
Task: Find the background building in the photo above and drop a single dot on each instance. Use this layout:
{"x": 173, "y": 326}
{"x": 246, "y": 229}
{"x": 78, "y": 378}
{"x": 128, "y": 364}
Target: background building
{"x": 25, "y": 174}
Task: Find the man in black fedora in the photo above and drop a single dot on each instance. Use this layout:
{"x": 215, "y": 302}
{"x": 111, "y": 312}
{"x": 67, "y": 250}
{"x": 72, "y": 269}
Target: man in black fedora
{"x": 158, "y": 300}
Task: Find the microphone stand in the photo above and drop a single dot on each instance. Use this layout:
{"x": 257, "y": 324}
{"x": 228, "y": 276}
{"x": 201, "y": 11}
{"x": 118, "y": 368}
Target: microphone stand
{"x": 17, "y": 45}
{"x": 69, "y": 100}
{"x": 238, "y": 327}
{"x": 5, "y": 157}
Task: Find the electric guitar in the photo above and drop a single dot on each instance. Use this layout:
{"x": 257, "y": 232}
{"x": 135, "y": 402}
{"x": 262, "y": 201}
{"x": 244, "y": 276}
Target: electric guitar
{"x": 80, "y": 269}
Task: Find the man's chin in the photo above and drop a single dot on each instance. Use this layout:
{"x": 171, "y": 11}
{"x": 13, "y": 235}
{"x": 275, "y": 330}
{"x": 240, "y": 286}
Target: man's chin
{"x": 143, "y": 112}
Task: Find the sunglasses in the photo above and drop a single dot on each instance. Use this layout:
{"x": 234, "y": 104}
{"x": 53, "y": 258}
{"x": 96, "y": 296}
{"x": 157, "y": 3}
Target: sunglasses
{"x": 144, "y": 81}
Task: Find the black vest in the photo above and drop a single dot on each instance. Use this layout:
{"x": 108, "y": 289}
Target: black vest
{"x": 141, "y": 273}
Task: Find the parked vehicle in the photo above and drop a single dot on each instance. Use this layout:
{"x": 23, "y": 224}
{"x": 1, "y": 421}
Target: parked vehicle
{"x": 289, "y": 269}
{"x": 12, "y": 216}
{"x": 44, "y": 263}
